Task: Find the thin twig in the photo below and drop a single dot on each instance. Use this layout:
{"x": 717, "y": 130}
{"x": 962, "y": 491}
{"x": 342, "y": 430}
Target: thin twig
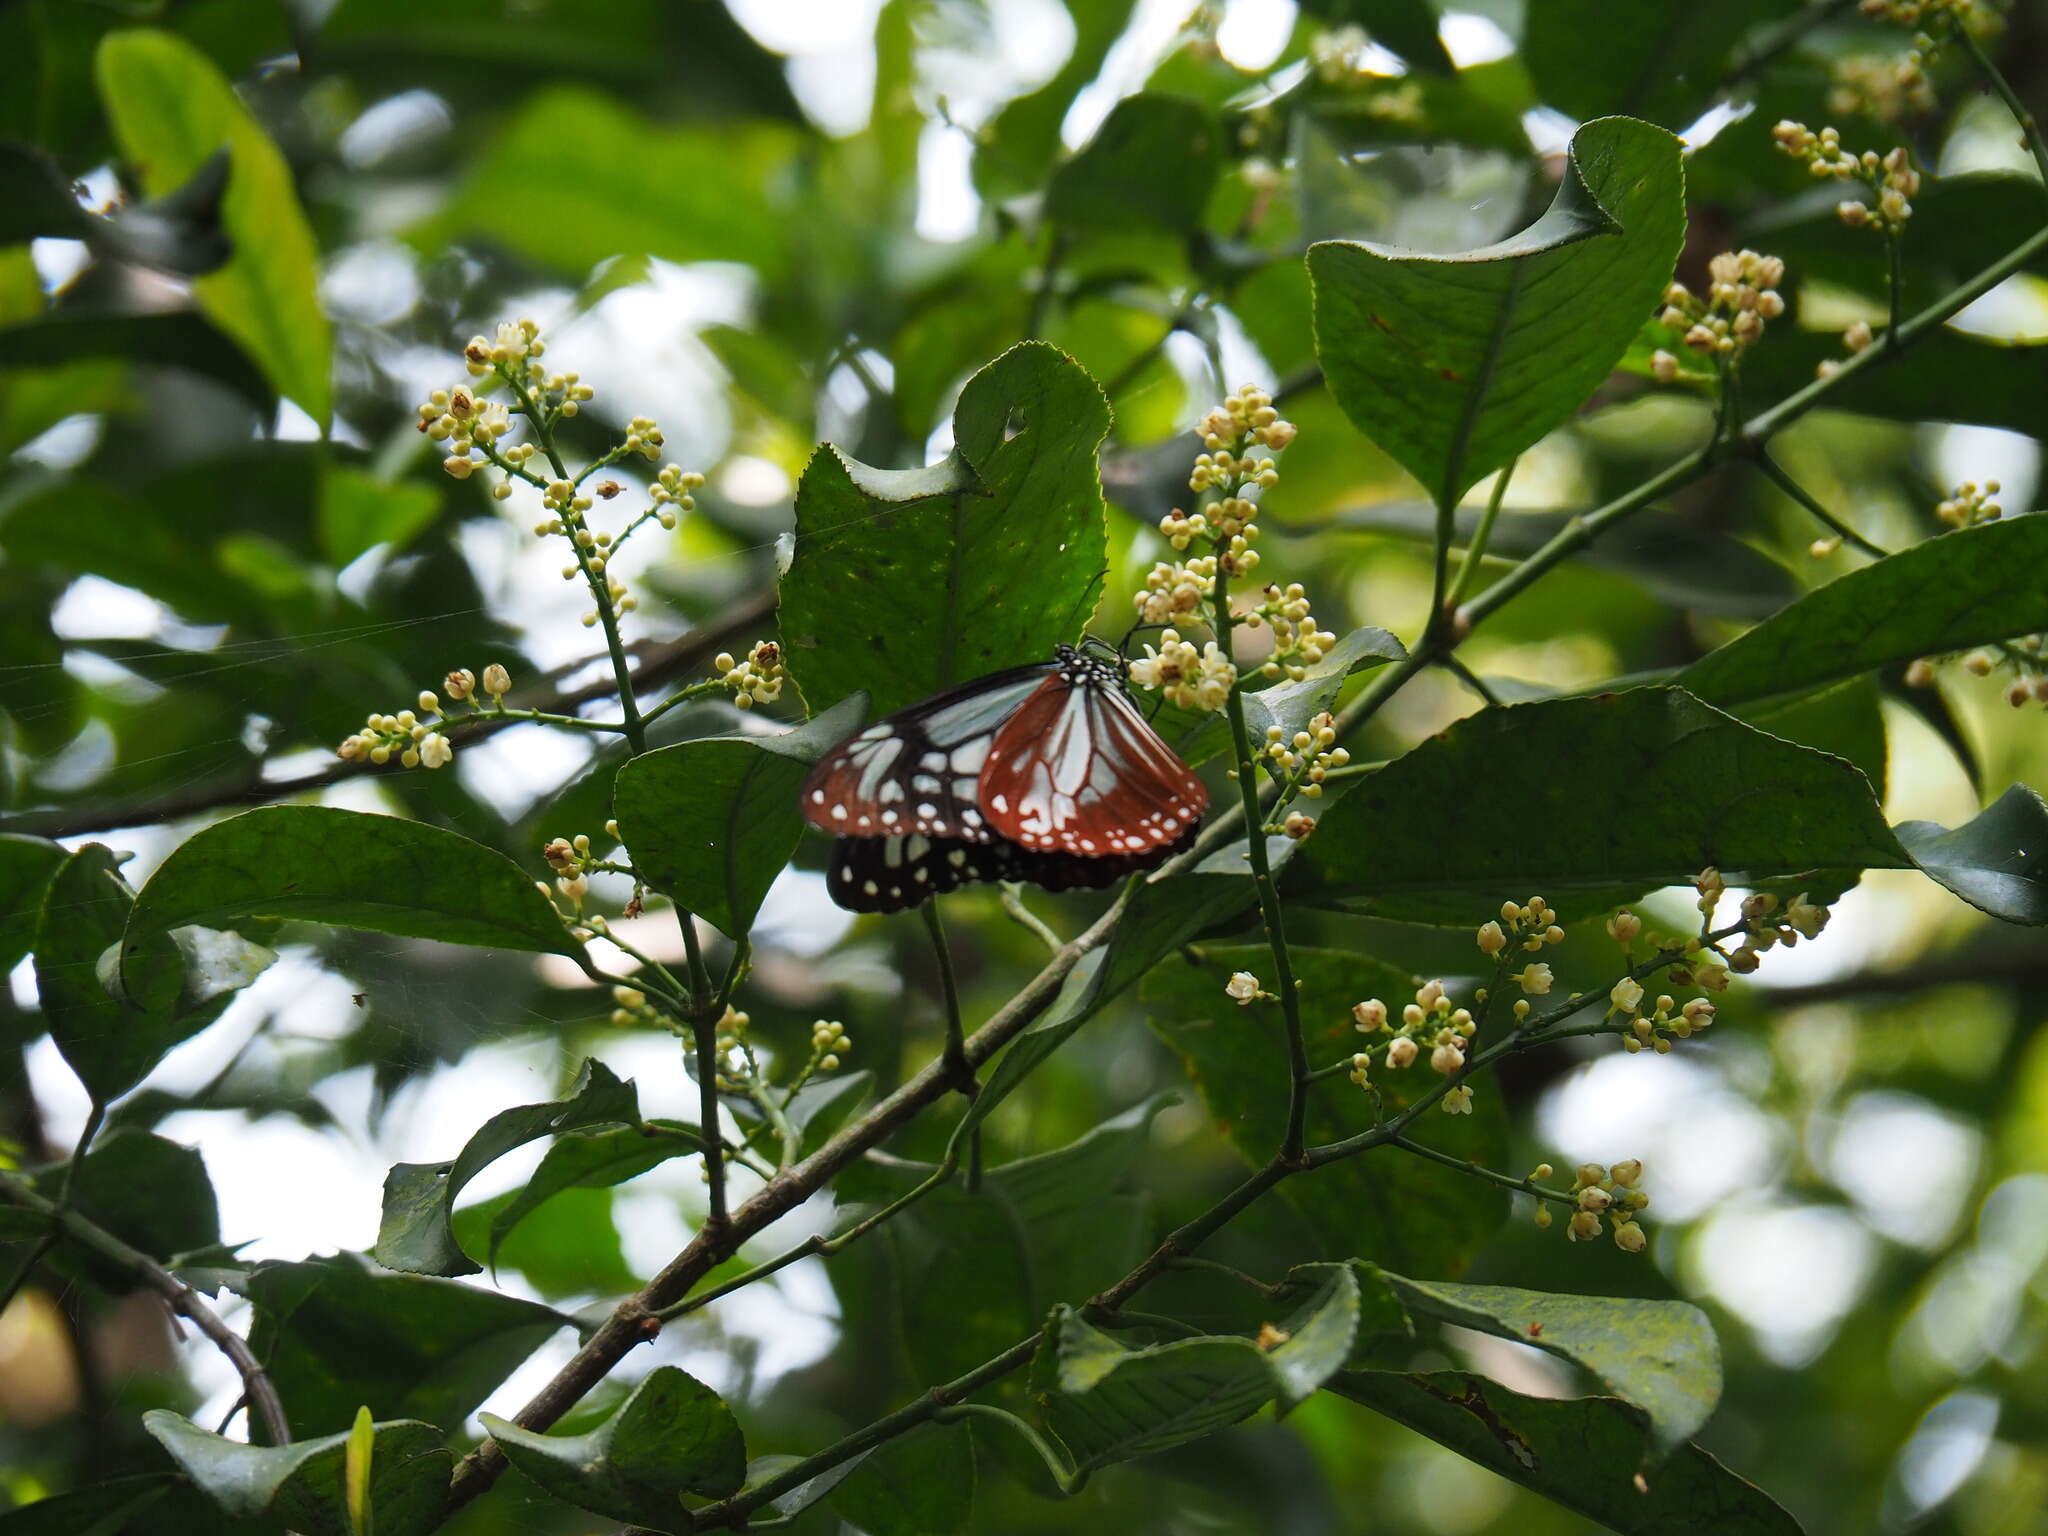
{"x": 1775, "y": 473}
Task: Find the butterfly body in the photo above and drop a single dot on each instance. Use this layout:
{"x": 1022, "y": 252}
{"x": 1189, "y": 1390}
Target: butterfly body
{"x": 1045, "y": 773}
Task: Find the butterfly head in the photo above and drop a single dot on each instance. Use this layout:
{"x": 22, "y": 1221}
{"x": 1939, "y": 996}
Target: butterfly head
{"x": 1094, "y": 663}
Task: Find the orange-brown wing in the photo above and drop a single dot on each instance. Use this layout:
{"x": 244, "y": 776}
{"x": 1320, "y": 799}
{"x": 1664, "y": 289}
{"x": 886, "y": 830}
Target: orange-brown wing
{"x": 1078, "y": 769}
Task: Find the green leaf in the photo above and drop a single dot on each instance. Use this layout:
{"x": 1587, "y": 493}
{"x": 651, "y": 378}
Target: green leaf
{"x": 112, "y": 1043}
{"x": 302, "y": 1486}
{"x": 617, "y": 184}
{"x": 1455, "y": 364}
{"x": 977, "y": 1271}
{"x": 1410, "y": 27}
{"x": 151, "y": 1193}
{"x": 1582, "y": 1452}
{"x": 338, "y": 1332}
{"x": 1432, "y": 836}
{"x": 1670, "y": 558}
{"x": 27, "y": 865}
{"x": 1152, "y": 162}
{"x": 1953, "y": 376}
{"x": 1384, "y": 1334}
{"x": 1292, "y": 704}
{"x": 1430, "y": 1219}
{"x": 1666, "y": 64}
{"x": 1016, "y": 149}
{"x": 1844, "y": 718}
{"x": 1659, "y": 1355}
{"x": 988, "y": 560}
{"x": 415, "y": 1234}
{"x": 311, "y": 863}
{"x": 179, "y": 338}
{"x": 1997, "y": 862}
{"x": 920, "y": 1484}
{"x": 1319, "y": 1338}
{"x": 712, "y": 822}
{"x": 171, "y": 108}
{"x": 102, "y": 1509}
{"x": 593, "y": 1160}
{"x": 673, "y": 1435}
{"x": 358, "y": 512}
{"x": 36, "y": 200}
{"x": 1162, "y": 916}
{"x": 570, "y": 1247}
{"x": 1108, "y": 1403}
{"x": 1962, "y": 589}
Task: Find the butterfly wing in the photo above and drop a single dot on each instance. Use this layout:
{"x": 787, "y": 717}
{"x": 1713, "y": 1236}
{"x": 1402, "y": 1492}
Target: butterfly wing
{"x": 891, "y": 874}
{"x": 1077, "y": 770}
{"x": 914, "y": 773}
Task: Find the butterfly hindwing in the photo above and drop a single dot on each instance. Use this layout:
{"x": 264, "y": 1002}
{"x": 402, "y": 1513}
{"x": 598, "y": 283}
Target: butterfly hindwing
{"x": 892, "y": 874}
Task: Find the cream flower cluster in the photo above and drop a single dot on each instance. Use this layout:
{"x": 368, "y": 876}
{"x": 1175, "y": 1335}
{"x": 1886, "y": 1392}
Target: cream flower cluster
{"x": 416, "y": 736}
{"x": 1890, "y": 177}
{"x": 1190, "y": 679}
{"x": 1176, "y": 590}
{"x": 1298, "y": 642}
{"x": 1611, "y": 1194}
{"x": 1742, "y": 297}
{"x": 756, "y": 680}
{"x": 1969, "y": 504}
{"x": 1307, "y": 756}
{"x": 1432, "y": 1024}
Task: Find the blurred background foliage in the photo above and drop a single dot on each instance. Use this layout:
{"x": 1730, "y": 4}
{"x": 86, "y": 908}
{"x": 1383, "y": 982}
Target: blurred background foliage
{"x": 770, "y": 224}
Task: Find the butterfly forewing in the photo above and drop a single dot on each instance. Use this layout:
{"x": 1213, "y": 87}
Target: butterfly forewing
{"x": 915, "y": 773}
{"x": 1078, "y": 770}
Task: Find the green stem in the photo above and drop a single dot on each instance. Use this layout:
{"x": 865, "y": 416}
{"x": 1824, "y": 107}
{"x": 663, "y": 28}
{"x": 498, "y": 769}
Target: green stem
{"x": 1066, "y": 1478}
{"x": 683, "y": 696}
{"x": 1468, "y": 570}
{"x": 1270, "y": 913}
{"x": 958, "y": 1069}
{"x": 1465, "y": 1165}
{"x": 1773, "y": 472}
{"x": 1895, "y": 283}
{"x": 1025, "y": 918}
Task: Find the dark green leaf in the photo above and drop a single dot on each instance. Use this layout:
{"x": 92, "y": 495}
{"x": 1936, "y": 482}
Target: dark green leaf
{"x": 358, "y": 512}
{"x": 1410, "y": 27}
{"x": 1385, "y": 1335}
{"x": 1430, "y": 1219}
{"x": 1292, "y": 704}
{"x": 985, "y": 561}
{"x": 340, "y": 1332}
{"x": 179, "y": 338}
{"x": 977, "y": 1271}
{"x": 415, "y": 1235}
{"x": 1952, "y": 376}
{"x": 1582, "y": 1452}
{"x": 671, "y": 1436}
{"x": 1997, "y": 862}
{"x": 1455, "y": 364}
{"x": 1659, "y": 1355}
{"x": 103, "y": 1509}
{"x": 316, "y": 864}
{"x": 112, "y": 1043}
{"x": 27, "y": 865}
{"x": 1152, "y": 162}
{"x": 1672, "y": 560}
{"x": 570, "y": 1247}
{"x": 1320, "y": 1337}
{"x": 593, "y": 1159}
{"x": 617, "y": 184}
{"x": 1109, "y": 1403}
{"x": 171, "y": 109}
{"x": 151, "y": 1193}
{"x": 712, "y": 822}
{"x": 1666, "y": 64}
{"x": 1966, "y": 588}
{"x": 1843, "y": 718}
{"x": 300, "y": 1485}
{"x": 1431, "y": 837}
{"x": 921, "y": 1484}
{"x": 36, "y": 199}
{"x": 1018, "y": 146}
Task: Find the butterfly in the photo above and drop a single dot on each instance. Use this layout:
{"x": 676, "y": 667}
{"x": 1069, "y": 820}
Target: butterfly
{"x": 1046, "y": 773}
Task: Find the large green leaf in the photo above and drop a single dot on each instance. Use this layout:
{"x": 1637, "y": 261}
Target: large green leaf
{"x": 112, "y": 1043}
{"x": 1997, "y": 862}
{"x": 358, "y": 512}
{"x": 339, "y": 1332}
{"x": 150, "y": 1192}
{"x": 179, "y": 338}
{"x": 27, "y": 865}
{"x": 1152, "y": 162}
{"x": 300, "y": 1485}
{"x": 1659, "y": 1355}
{"x": 1430, "y": 1219}
{"x": 415, "y": 1234}
{"x": 1581, "y": 1452}
{"x": 616, "y": 184}
{"x": 921, "y": 1484}
{"x": 1437, "y": 836}
{"x": 171, "y": 109}
{"x": 1017, "y": 147}
{"x": 591, "y": 1160}
{"x": 712, "y": 822}
{"x": 977, "y": 1271}
{"x": 1666, "y": 63}
{"x": 1455, "y": 364}
{"x": 316, "y": 864}
{"x": 906, "y": 582}
{"x": 1962, "y": 589}
{"x": 673, "y": 1435}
